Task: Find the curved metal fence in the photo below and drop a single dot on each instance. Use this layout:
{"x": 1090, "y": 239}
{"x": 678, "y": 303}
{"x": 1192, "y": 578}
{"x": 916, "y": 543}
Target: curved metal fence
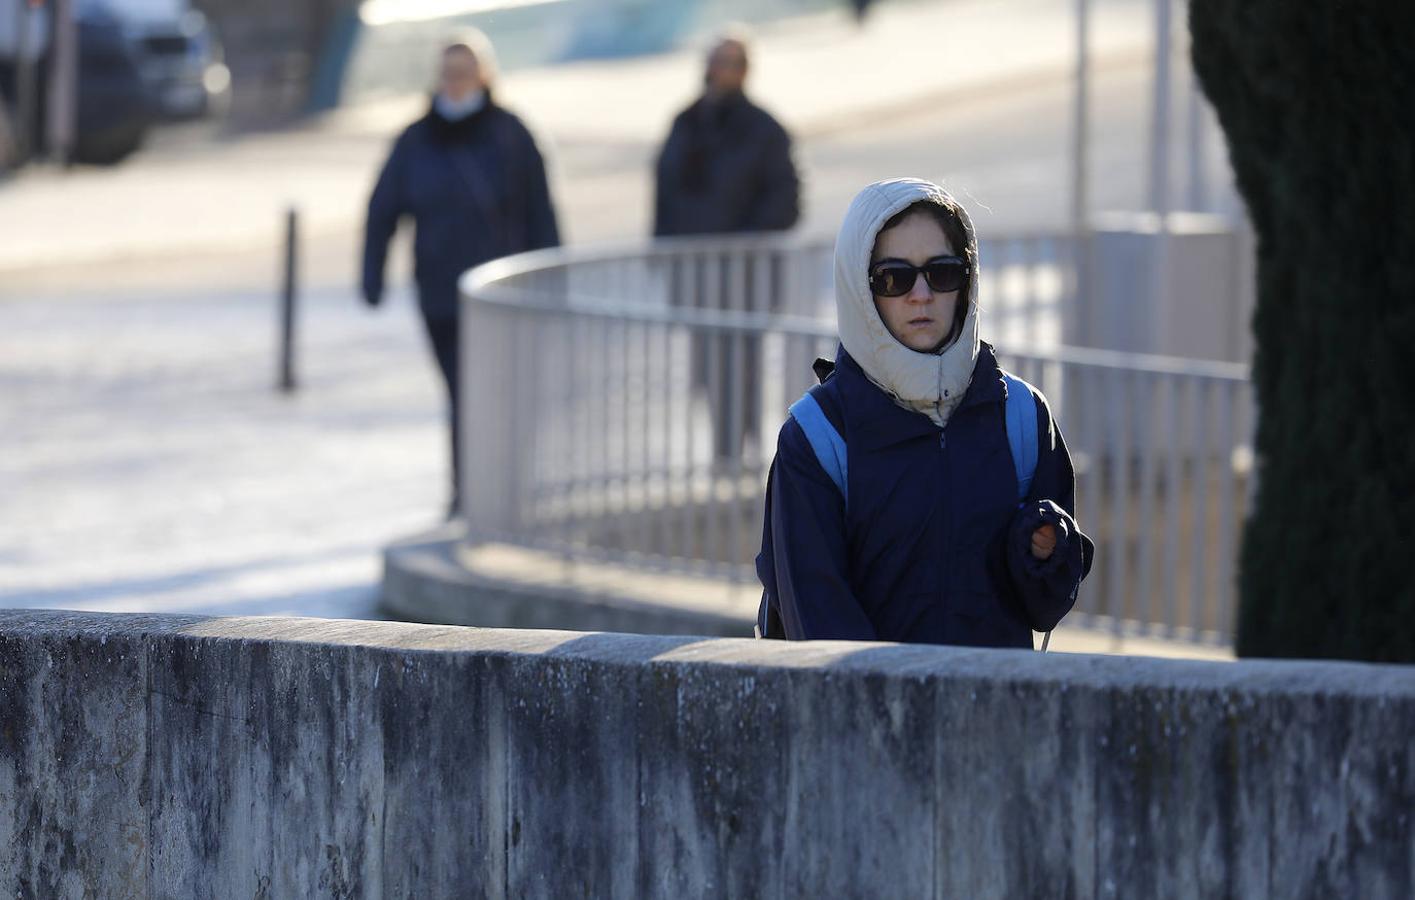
{"x": 621, "y": 404}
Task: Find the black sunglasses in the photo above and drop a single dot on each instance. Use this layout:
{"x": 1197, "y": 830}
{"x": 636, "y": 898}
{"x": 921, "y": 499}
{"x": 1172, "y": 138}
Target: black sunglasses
{"x": 896, "y": 278}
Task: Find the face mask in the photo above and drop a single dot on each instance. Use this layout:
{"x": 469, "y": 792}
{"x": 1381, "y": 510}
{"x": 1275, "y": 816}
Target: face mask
{"x": 456, "y": 110}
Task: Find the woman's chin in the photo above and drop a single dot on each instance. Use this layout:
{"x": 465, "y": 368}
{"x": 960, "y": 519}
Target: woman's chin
{"x": 929, "y": 345}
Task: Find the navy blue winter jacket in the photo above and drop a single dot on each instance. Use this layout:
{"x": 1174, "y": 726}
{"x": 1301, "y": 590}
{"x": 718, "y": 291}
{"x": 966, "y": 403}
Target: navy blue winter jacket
{"x": 726, "y": 167}
{"x": 933, "y": 546}
{"x": 476, "y": 190}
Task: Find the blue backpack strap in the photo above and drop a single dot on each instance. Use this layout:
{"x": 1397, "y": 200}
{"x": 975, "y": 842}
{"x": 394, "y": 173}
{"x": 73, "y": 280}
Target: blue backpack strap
{"x": 827, "y": 443}
{"x": 1022, "y": 432}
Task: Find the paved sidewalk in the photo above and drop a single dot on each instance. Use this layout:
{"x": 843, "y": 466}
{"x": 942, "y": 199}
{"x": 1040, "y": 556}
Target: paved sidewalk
{"x": 820, "y": 74}
{"x": 147, "y": 463}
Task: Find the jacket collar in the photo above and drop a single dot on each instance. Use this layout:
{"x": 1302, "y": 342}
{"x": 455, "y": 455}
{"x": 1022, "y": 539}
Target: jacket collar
{"x": 718, "y": 109}
{"x": 463, "y": 129}
{"x": 875, "y": 420}
{"x": 988, "y": 385}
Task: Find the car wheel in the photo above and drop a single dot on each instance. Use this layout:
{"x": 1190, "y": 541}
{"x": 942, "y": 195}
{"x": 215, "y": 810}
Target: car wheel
{"x": 109, "y": 147}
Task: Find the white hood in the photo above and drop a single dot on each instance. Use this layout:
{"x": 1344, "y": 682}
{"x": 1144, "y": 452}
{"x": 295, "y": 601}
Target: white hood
{"x": 929, "y": 383}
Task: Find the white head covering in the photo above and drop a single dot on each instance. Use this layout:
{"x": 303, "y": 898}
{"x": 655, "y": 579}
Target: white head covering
{"x": 929, "y": 383}
{"x": 475, "y": 41}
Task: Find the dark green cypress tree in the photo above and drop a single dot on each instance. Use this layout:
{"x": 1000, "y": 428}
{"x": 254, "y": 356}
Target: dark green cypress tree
{"x": 1317, "y": 100}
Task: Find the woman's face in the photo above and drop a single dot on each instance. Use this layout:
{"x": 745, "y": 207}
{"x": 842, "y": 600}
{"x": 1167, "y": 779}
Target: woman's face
{"x": 921, "y": 319}
{"x": 460, "y": 76}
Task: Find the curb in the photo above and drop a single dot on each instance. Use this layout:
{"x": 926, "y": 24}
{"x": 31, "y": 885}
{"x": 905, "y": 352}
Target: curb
{"x": 425, "y": 581}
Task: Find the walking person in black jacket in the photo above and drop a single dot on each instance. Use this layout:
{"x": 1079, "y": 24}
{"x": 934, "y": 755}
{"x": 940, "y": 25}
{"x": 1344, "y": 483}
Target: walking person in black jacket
{"x": 470, "y": 176}
{"x": 726, "y": 168}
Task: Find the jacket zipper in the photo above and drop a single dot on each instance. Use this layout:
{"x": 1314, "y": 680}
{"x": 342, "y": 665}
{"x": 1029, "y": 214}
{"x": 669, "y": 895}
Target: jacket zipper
{"x": 938, "y": 405}
{"x": 945, "y": 567}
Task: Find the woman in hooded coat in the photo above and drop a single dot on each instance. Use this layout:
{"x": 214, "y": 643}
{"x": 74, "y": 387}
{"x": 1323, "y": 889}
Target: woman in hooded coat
{"x": 916, "y": 524}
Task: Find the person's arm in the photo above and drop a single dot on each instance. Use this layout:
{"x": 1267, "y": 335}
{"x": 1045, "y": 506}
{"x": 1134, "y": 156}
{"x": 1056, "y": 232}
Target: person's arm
{"x": 541, "y": 227}
{"x": 386, "y": 205}
{"x": 665, "y": 180}
{"x": 1047, "y": 553}
{"x": 778, "y": 203}
{"x": 803, "y": 560}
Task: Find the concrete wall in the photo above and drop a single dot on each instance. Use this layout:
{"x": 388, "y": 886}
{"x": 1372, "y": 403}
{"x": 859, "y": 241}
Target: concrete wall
{"x": 187, "y": 757}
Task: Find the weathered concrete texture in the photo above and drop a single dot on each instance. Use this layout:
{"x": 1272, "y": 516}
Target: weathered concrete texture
{"x": 181, "y": 757}
{"x": 74, "y": 753}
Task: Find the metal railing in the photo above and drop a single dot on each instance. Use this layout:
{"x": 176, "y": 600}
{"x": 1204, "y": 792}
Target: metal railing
{"x": 621, "y": 404}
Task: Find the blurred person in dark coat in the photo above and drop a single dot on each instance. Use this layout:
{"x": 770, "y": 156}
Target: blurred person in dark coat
{"x": 726, "y": 168}
{"x": 470, "y": 176}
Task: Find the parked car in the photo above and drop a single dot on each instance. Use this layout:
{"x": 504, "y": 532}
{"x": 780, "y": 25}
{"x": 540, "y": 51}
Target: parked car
{"x": 140, "y": 61}
{"x": 178, "y": 56}
{"x": 115, "y": 105}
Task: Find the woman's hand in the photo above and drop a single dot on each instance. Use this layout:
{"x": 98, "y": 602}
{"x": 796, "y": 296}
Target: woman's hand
{"x": 1043, "y": 542}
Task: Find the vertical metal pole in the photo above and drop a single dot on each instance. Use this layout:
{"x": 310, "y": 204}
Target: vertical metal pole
{"x": 63, "y": 83}
{"x": 1035, "y": 256}
{"x": 713, "y": 290}
{"x": 644, "y": 375}
{"x": 1080, "y": 162}
{"x": 25, "y": 59}
{"x": 597, "y": 508}
{"x": 1081, "y": 410}
{"x": 1198, "y": 199}
{"x": 1159, "y": 124}
{"x": 1008, "y": 300}
{"x": 1116, "y": 460}
{"x": 584, "y": 435}
{"x": 1199, "y": 593}
{"x": 1159, "y": 173}
{"x": 1173, "y": 498}
{"x": 1227, "y": 502}
{"x": 660, "y": 399}
{"x": 568, "y": 412}
{"x": 1146, "y": 404}
{"x": 474, "y": 323}
{"x": 527, "y": 413}
{"x": 689, "y": 283}
{"x": 287, "y": 304}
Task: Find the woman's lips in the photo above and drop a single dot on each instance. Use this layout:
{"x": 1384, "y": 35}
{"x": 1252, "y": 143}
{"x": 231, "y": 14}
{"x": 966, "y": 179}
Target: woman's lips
{"x": 921, "y": 321}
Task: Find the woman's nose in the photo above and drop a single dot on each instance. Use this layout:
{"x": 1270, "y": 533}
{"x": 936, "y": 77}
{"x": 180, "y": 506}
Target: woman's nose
{"x": 921, "y": 292}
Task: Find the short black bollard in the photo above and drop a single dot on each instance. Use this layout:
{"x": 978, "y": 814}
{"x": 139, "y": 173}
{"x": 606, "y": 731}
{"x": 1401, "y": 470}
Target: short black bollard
{"x": 287, "y": 304}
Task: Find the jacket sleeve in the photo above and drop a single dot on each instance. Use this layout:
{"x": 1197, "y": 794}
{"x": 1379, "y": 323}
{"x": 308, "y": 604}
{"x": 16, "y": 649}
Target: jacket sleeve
{"x": 665, "y": 177}
{"x": 803, "y": 560}
{"x": 541, "y": 228}
{"x": 779, "y": 202}
{"x": 1048, "y": 588}
{"x": 386, "y": 205}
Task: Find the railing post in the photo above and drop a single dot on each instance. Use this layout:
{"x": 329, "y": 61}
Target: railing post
{"x": 1079, "y": 282}
{"x": 287, "y": 303}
